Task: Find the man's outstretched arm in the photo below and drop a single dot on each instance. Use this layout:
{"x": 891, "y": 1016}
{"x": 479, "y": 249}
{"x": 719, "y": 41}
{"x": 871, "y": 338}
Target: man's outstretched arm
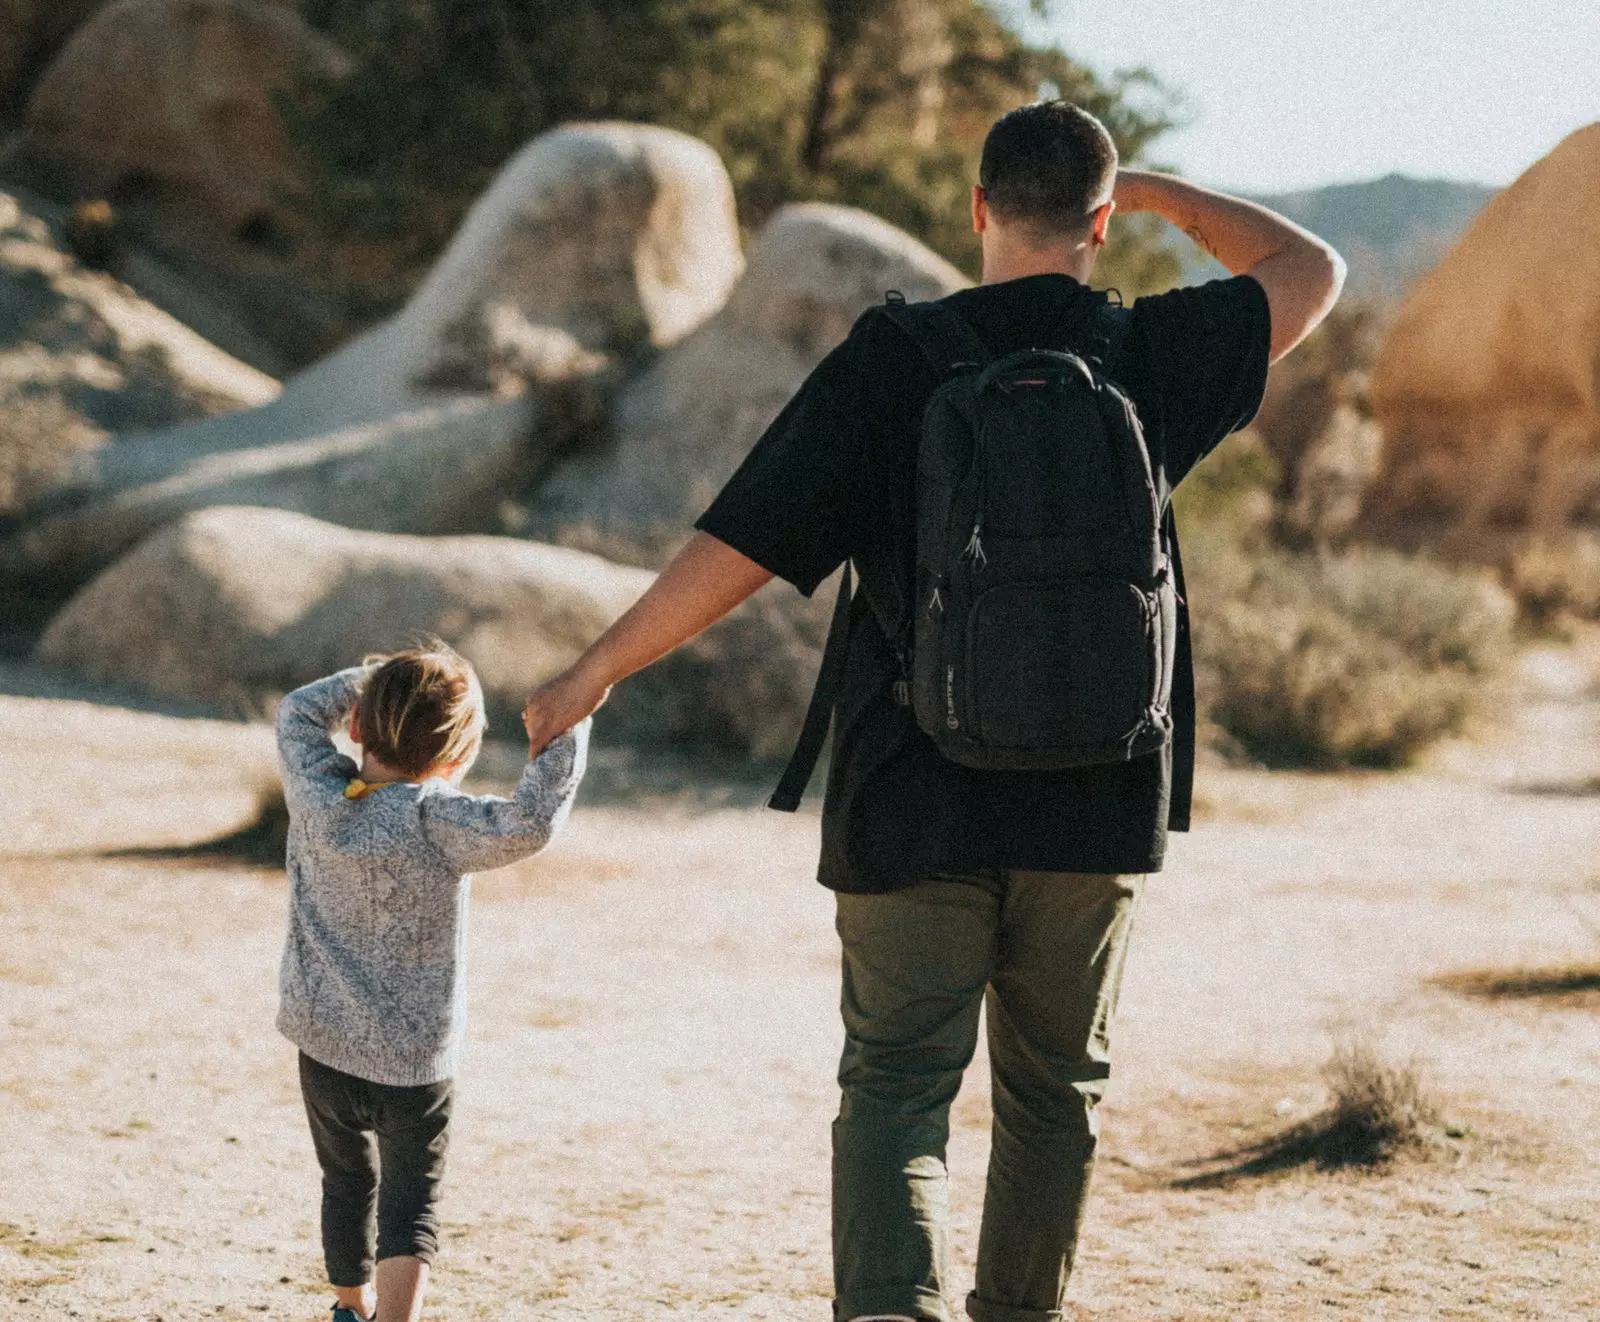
{"x": 705, "y": 581}
{"x": 1301, "y": 274}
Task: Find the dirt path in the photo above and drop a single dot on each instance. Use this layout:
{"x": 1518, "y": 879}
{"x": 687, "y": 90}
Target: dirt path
{"x": 643, "y": 1129}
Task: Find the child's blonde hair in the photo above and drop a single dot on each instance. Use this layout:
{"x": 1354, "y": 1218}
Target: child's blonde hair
{"x": 421, "y": 709}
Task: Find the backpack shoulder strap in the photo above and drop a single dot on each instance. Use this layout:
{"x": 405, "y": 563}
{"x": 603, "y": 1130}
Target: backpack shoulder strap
{"x": 1112, "y": 324}
{"x": 824, "y": 698}
{"x": 943, "y": 335}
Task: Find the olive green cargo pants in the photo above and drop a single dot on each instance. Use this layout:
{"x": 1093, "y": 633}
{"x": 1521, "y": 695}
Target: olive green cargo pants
{"x": 1044, "y": 951}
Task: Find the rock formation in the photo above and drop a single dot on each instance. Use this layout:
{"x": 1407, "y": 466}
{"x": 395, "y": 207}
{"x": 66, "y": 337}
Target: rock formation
{"x": 602, "y": 247}
{"x": 233, "y": 606}
{"x": 31, "y": 33}
{"x": 440, "y": 468}
{"x": 594, "y": 240}
{"x": 82, "y": 357}
{"x": 172, "y": 103}
{"x": 1488, "y": 385}
{"x": 230, "y": 604}
{"x": 615, "y": 236}
{"x": 682, "y": 427}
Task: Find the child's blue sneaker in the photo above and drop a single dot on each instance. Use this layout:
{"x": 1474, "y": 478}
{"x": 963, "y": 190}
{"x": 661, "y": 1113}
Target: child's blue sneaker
{"x": 347, "y": 1315}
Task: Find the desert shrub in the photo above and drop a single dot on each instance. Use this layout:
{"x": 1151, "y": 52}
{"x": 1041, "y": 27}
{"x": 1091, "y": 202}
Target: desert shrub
{"x": 1375, "y": 1110}
{"x": 1230, "y": 493}
{"x": 1553, "y": 580}
{"x": 1441, "y": 617}
{"x": 1358, "y": 659}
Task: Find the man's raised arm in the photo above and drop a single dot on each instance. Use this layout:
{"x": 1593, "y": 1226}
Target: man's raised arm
{"x": 705, "y": 581}
{"x": 1301, "y": 274}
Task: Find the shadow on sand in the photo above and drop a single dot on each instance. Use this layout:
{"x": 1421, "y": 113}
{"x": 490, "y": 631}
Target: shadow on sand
{"x": 1561, "y": 982}
{"x": 655, "y": 780}
{"x": 1582, "y": 788}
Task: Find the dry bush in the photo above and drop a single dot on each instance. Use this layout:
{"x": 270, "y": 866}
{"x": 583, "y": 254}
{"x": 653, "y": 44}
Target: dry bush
{"x": 1376, "y": 1111}
{"x": 1439, "y": 616}
{"x": 1359, "y": 659}
{"x": 1553, "y": 580}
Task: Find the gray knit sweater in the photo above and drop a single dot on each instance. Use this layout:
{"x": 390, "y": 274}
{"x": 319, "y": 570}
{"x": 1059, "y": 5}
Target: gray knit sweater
{"x": 373, "y": 979}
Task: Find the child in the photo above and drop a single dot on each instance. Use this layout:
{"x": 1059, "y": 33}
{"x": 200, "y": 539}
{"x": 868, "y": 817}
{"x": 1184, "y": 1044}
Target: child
{"x": 373, "y": 981}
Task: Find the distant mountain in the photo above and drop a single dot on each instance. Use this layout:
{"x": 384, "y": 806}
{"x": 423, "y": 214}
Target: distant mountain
{"x": 1390, "y": 230}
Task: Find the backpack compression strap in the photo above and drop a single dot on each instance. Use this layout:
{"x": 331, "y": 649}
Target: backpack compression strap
{"x": 824, "y": 698}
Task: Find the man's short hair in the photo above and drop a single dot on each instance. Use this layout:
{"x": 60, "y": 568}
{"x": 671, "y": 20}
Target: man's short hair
{"x": 1047, "y": 167}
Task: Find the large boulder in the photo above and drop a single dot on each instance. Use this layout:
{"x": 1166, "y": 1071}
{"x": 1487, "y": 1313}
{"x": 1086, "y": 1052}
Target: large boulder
{"x": 166, "y": 115}
{"x": 31, "y": 33}
{"x": 175, "y": 102}
{"x": 1487, "y": 387}
{"x": 594, "y": 241}
{"x": 619, "y": 236}
{"x": 441, "y": 467}
{"x": 683, "y": 426}
{"x": 82, "y": 357}
{"x": 230, "y": 604}
{"x": 233, "y": 606}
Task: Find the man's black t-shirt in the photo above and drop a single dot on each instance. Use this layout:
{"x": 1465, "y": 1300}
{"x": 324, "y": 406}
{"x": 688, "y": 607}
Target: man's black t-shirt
{"x": 834, "y": 478}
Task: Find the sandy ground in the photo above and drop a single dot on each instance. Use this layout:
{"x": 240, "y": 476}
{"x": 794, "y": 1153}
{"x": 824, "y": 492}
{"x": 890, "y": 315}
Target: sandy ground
{"x": 643, "y": 1125}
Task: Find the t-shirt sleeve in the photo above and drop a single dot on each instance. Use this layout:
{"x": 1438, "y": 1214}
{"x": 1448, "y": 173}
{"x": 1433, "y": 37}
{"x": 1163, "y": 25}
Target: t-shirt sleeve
{"x": 1209, "y": 349}
{"x": 790, "y": 507}
{"x": 476, "y": 832}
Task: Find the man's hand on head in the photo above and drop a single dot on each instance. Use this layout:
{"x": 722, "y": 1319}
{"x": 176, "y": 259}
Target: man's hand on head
{"x": 1300, "y": 274}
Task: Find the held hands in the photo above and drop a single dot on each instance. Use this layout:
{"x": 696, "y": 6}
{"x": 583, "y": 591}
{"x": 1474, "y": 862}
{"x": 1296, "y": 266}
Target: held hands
{"x": 558, "y": 705}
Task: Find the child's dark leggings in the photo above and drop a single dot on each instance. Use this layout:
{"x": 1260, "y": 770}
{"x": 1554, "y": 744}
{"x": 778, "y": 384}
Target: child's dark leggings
{"x": 362, "y": 1129}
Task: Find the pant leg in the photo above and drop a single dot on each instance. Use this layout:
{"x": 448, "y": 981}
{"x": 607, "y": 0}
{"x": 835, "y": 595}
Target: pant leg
{"x": 341, "y": 1134}
{"x": 1062, "y": 944}
{"x": 914, "y": 968}
{"x": 413, "y": 1128}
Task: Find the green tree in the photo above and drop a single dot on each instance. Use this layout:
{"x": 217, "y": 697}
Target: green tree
{"x": 876, "y": 103}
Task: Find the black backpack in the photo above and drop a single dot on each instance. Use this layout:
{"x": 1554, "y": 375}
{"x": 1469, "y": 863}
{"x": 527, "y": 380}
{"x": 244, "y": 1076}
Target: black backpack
{"x": 1041, "y": 630}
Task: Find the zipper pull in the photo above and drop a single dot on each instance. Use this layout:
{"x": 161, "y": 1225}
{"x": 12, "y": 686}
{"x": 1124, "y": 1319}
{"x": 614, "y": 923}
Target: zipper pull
{"x": 974, "y": 551}
{"x": 902, "y": 686}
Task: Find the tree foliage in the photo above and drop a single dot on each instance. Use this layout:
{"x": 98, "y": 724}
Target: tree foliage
{"x": 877, "y": 103}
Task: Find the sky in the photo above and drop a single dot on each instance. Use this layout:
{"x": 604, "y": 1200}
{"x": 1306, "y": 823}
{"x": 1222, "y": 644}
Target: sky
{"x": 1286, "y": 94}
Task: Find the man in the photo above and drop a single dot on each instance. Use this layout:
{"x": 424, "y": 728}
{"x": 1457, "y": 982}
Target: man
{"x": 957, "y": 886}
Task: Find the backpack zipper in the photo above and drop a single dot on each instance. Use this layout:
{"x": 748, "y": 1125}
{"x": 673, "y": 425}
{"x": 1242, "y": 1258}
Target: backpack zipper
{"x": 974, "y": 550}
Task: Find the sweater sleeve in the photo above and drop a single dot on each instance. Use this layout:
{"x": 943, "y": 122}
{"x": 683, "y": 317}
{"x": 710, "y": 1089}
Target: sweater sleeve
{"x": 480, "y": 832}
{"x": 306, "y": 718}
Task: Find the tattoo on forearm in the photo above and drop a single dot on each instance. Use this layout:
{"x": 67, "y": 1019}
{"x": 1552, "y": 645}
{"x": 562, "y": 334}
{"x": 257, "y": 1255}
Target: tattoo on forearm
{"x": 1199, "y": 237}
